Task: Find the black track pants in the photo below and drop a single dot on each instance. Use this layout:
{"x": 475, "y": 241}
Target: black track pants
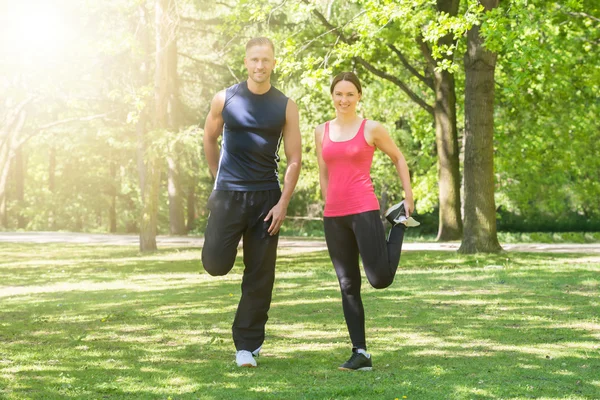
{"x": 234, "y": 215}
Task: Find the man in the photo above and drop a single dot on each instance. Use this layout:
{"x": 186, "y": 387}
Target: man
{"x": 247, "y": 200}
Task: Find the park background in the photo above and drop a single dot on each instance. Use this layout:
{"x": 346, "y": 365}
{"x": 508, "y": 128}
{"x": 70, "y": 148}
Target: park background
{"x": 494, "y": 104}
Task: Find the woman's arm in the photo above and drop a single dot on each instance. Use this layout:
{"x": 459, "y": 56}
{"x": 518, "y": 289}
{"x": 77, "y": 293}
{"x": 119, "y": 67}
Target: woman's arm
{"x": 378, "y": 136}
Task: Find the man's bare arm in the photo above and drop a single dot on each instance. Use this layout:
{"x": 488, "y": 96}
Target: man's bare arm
{"x": 292, "y": 141}
{"x": 213, "y": 128}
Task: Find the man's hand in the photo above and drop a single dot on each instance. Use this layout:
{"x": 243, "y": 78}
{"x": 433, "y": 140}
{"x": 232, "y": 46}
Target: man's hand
{"x": 276, "y": 215}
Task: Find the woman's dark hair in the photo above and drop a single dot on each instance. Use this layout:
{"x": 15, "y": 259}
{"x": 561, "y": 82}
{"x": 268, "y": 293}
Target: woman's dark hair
{"x": 346, "y": 76}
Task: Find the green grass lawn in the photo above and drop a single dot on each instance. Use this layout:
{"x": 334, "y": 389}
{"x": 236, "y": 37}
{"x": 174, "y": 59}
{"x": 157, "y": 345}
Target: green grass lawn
{"x": 104, "y": 322}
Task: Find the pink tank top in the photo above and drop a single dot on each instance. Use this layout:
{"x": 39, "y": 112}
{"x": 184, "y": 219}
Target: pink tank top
{"x": 350, "y": 189}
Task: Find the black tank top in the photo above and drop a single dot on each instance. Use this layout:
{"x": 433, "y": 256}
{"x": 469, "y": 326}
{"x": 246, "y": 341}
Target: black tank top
{"x": 252, "y": 133}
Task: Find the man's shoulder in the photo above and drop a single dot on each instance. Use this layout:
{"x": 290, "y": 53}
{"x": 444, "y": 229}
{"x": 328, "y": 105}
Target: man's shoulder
{"x": 278, "y": 93}
{"x": 234, "y": 88}
{"x": 231, "y": 91}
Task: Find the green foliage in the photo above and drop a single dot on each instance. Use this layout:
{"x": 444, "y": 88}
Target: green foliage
{"x": 547, "y": 84}
{"x": 314, "y": 54}
{"x": 547, "y": 129}
{"x": 91, "y": 166}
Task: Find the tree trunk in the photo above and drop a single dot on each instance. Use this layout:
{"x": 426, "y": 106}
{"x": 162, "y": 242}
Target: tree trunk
{"x": 3, "y": 213}
{"x": 52, "y": 185}
{"x": 384, "y": 199}
{"x": 176, "y": 212}
{"x": 164, "y": 34}
{"x": 112, "y": 216}
{"x": 4, "y": 170}
{"x": 148, "y": 218}
{"x": 446, "y": 138}
{"x": 52, "y": 170}
{"x": 191, "y": 201}
{"x": 143, "y": 79}
{"x": 480, "y": 209}
{"x": 112, "y": 211}
{"x": 11, "y": 125}
{"x": 176, "y": 196}
{"x": 20, "y": 188}
{"x": 5, "y": 164}
{"x": 140, "y": 129}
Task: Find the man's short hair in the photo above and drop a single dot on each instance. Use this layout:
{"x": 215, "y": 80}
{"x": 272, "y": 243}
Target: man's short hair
{"x": 260, "y": 41}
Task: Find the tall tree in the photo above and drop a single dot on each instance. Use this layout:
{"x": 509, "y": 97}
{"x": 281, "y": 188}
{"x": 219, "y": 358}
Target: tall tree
{"x": 480, "y": 207}
{"x": 142, "y": 36}
{"x": 446, "y": 137}
{"x": 385, "y": 56}
{"x": 163, "y": 36}
{"x": 12, "y": 119}
{"x": 441, "y": 81}
{"x": 52, "y": 184}
{"x": 148, "y": 162}
{"x": 175, "y": 177}
{"x": 19, "y": 179}
{"x": 112, "y": 193}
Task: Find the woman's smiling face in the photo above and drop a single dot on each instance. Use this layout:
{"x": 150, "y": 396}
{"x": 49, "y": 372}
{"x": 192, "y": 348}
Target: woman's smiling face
{"x": 345, "y": 97}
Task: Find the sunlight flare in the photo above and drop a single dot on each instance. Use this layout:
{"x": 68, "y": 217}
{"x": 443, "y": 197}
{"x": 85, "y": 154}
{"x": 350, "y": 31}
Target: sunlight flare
{"x": 35, "y": 32}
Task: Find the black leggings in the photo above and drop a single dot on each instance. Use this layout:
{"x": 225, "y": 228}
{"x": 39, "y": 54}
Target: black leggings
{"x": 363, "y": 234}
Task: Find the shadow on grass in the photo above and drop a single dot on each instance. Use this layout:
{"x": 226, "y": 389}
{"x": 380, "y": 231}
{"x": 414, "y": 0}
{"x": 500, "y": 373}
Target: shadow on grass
{"x": 106, "y": 322}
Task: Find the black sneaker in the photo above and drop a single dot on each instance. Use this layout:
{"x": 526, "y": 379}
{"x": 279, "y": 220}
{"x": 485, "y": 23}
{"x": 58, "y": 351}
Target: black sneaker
{"x": 396, "y": 214}
{"x": 357, "y": 362}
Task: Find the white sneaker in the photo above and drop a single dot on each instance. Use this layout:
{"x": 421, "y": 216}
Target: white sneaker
{"x": 256, "y": 352}
{"x": 410, "y": 222}
{"x": 244, "y": 358}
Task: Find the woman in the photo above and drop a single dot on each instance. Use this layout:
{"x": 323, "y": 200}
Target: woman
{"x": 345, "y": 148}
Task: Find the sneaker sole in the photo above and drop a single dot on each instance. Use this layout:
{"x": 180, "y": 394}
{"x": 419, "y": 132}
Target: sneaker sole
{"x": 358, "y": 369}
{"x": 393, "y": 208}
{"x": 247, "y": 366}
